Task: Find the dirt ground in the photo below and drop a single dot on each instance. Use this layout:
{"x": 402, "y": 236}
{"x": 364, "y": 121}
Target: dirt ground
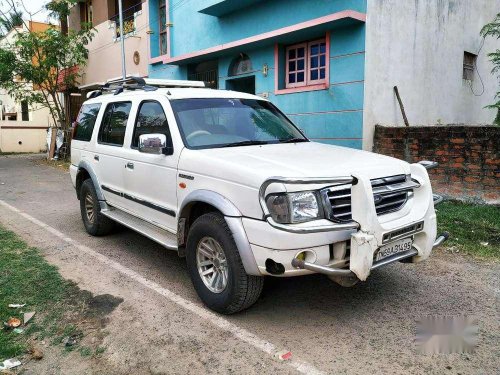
{"x": 160, "y": 326}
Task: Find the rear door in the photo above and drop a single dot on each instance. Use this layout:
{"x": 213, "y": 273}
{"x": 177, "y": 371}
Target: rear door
{"x": 108, "y": 158}
{"x": 151, "y": 180}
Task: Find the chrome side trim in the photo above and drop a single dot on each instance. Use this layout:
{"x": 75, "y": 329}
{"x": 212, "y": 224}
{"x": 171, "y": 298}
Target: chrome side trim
{"x": 88, "y": 167}
{"x": 240, "y": 238}
{"x": 292, "y": 228}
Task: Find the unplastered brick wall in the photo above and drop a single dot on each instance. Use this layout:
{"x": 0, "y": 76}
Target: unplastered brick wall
{"x": 468, "y": 157}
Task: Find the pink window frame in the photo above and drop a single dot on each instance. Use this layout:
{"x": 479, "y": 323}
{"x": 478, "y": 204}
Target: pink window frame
{"x": 313, "y": 85}
{"x": 163, "y": 32}
{"x": 309, "y": 69}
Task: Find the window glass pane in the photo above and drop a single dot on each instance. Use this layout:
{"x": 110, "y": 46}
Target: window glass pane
{"x": 291, "y": 78}
{"x": 291, "y": 53}
{"x": 301, "y": 52}
{"x": 291, "y": 66}
{"x": 219, "y": 122}
{"x": 300, "y": 64}
{"x": 314, "y": 74}
{"x": 322, "y": 48}
{"x": 163, "y": 44}
{"x": 113, "y": 130}
{"x": 314, "y": 62}
{"x": 163, "y": 19}
{"x": 151, "y": 119}
{"x": 322, "y": 73}
{"x": 322, "y": 60}
{"x": 314, "y": 49}
{"x": 300, "y": 77}
{"x": 86, "y": 121}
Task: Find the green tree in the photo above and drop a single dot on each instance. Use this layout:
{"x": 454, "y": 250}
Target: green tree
{"x": 492, "y": 29}
{"x": 39, "y": 65}
{"x": 12, "y": 19}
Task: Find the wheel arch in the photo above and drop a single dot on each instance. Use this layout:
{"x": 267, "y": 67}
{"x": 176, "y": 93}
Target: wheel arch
{"x": 86, "y": 171}
{"x": 200, "y": 202}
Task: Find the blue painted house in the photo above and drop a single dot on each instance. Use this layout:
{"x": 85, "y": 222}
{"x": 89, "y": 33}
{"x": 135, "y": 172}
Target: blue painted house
{"x": 307, "y": 57}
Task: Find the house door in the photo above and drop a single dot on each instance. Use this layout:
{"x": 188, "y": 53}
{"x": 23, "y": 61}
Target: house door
{"x": 246, "y": 84}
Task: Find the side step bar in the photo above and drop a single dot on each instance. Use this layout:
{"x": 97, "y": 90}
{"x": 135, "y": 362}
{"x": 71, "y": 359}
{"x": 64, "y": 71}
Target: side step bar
{"x": 153, "y": 232}
{"x": 297, "y": 263}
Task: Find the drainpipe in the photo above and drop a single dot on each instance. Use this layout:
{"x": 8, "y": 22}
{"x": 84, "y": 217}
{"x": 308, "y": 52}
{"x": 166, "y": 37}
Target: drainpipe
{"x": 122, "y": 38}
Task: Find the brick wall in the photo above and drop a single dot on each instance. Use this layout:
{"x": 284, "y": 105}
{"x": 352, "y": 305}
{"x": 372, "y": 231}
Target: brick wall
{"x": 468, "y": 157}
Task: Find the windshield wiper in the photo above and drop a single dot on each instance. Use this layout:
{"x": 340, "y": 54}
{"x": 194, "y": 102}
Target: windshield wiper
{"x": 245, "y": 143}
{"x": 293, "y": 140}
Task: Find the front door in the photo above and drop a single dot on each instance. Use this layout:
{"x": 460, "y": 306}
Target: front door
{"x": 245, "y": 84}
{"x": 151, "y": 179}
{"x": 108, "y": 157}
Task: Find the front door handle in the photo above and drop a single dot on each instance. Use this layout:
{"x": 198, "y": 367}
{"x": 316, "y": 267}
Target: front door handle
{"x": 130, "y": 165}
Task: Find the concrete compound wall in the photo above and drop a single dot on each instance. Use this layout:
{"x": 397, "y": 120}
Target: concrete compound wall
{"x": 20, "y": 136}
{"x": 468, "y": 157}
{"x": 419, "y": 46}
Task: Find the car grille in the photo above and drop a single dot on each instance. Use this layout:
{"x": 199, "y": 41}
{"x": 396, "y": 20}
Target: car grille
{"x": 389, "y": 193}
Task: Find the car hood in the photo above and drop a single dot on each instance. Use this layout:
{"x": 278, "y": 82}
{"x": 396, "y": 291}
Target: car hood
{"x": 251, "y": 165}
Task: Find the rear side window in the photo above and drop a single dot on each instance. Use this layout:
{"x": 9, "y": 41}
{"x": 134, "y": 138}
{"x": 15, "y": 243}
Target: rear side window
{"x": 86, "y": 121}
{"x": 150, "y": 119}
{"x": 114, "y": 123}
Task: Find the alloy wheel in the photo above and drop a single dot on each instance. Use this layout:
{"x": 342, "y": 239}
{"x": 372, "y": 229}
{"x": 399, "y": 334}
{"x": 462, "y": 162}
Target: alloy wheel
{"x": 212, "y": 264}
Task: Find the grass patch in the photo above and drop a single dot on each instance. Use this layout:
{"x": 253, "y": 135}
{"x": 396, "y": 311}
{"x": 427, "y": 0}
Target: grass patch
{"x": 62, "y": 309}
{"x": 474, "y": 229}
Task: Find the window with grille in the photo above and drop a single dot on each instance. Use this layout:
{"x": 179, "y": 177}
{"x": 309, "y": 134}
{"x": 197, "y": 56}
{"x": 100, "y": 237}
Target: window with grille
{"x": 306, "y": 64}
{"x": 163, "y": 28}
{"x": 469, "y": 64}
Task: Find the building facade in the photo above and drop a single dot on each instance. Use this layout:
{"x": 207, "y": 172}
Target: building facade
{"x": 331, "y": 65}
{"x": 104, "y": 60}
{"x": 23, "y": 126}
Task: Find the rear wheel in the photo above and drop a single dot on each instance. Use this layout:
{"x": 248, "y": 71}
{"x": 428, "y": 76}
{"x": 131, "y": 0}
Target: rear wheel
{"x": 95, "y": 222}
{"x": 216, "y": 269}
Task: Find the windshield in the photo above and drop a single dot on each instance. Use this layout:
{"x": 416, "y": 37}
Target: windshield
{"x": 220, "y": 122}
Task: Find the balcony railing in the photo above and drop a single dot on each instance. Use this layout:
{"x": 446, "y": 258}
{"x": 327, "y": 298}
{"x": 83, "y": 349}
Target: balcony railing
{"x": 129, "y": 16}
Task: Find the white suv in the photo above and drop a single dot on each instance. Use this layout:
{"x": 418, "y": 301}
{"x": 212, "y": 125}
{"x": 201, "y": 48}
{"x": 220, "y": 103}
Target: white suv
{"x": 226, "y": 180}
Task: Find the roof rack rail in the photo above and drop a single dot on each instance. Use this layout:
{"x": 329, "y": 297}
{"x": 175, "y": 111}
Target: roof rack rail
{"x": 118, "y": 85}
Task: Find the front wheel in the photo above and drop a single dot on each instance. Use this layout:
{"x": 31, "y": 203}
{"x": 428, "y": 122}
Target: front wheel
{"x": 95, "y": 222}
{"x": 216, "y": 269}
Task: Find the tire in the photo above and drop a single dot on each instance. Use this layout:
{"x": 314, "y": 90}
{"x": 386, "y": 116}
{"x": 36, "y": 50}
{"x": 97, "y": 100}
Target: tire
{"x": 241, "y": 290}
{"x": 95, "y": 223}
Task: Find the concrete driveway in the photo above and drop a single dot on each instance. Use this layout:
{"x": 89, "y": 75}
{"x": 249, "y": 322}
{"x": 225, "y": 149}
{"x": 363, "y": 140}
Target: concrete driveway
{"x": 161, "y": 327}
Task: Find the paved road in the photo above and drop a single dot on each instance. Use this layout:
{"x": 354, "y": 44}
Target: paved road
{"x": 369, "y": 328}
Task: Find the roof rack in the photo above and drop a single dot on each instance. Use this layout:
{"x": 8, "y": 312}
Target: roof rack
{"x": 139, "y": 83}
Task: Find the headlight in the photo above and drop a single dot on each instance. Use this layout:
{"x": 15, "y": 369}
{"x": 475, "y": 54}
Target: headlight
{"x": 294, "y": 207}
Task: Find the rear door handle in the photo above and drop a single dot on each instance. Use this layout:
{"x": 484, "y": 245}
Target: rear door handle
{"x": 130, "y": 165}
{"x": 96, "y": 157}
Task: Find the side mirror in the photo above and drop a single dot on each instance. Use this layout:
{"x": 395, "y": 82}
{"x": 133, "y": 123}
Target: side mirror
{"x": 155, "y": 143}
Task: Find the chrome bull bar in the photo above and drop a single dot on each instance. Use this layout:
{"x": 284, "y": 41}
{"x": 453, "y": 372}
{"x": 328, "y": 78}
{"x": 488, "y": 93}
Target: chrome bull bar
{"x": 297, "y": 263}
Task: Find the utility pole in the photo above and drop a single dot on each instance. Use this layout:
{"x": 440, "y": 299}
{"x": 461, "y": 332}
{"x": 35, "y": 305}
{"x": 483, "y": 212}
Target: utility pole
{"x": 122, "y": 38}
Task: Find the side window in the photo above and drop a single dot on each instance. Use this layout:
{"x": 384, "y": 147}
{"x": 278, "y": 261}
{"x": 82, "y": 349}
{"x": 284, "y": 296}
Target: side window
{"x": 114, "y": 123}
{"x": 86, "y": 121}
{"x": 150, "y": 119}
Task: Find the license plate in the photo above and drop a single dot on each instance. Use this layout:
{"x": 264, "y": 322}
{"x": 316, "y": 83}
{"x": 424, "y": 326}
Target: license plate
{"x": 393, "y": 248}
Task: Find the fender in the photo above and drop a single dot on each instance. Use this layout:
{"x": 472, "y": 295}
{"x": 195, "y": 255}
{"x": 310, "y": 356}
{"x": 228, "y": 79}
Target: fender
{"x": 233, "y": 219}
{"x": 212, "y": 198}
{"x": 88, "y": 167}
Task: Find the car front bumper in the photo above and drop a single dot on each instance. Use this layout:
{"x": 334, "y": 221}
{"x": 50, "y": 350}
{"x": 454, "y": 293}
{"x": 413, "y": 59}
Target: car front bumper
{"x": 326, "y": 248}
